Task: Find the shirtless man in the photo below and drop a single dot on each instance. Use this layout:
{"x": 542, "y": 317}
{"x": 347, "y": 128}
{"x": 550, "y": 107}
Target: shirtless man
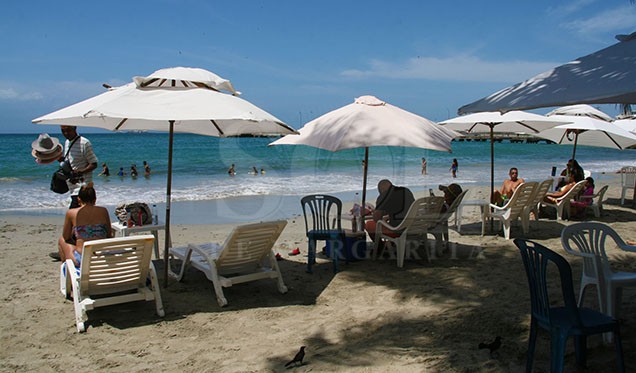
{"x": 508, "y": 188}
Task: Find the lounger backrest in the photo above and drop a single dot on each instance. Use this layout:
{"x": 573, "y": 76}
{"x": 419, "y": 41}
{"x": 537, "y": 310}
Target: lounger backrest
{"x": 423, "y": 213}
{"x": 541, "y": 190}
{"x": 115, "y": 264}
{"x": 573, "y": 192}
{"x": 247, "y": 245}
{"x": 628, "y": 176}
{"x": 521, "y": 198}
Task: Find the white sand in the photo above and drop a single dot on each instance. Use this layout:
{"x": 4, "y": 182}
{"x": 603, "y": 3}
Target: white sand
{"x": 371, "y": 316}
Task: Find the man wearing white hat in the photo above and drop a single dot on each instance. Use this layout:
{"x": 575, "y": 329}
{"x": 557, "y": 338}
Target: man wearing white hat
{"x": 82, "y": 159}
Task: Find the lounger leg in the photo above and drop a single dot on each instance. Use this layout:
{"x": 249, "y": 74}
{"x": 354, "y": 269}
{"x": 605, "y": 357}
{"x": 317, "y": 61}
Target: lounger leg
{"x": 218, "y": 288}
{"x": 155, "y": 290}
{"x": 279, "y": 278}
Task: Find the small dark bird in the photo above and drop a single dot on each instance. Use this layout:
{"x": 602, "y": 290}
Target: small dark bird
{"x": 107, "y": 86}
{"x": 300, "y": 355}
{"x": 492, "y": 346}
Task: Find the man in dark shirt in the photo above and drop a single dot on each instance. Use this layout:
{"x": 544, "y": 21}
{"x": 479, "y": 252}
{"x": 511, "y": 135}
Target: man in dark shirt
{"x": 392, "y": 205}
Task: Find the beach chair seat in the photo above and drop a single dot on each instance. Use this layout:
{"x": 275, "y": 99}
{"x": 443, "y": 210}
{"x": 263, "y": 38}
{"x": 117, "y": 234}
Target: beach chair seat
{"x": 562, "y": 204}
{"x": 628, "y": 180}
{"x": 112, "y": 271}
{"x": 413, "y": 230}
{"x": 246, "y": 255}
{"x": 515, "y": 208}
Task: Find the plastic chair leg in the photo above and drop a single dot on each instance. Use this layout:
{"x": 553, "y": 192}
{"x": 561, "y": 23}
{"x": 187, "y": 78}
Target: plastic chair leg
{"x": 532, "y": 340}
{"x": 311, "y": 254}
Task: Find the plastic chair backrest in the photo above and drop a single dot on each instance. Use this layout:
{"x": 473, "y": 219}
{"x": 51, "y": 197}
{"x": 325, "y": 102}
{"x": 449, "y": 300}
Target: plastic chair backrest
{"x": 541, "y": 191}
{"x": 589, "y": 238}
{"x": 628, "y": 176}
{"x": 573, "y": 192}
{"x": 325, "y": 212}
{"x": 423, "y": 213}
{"x": 536, "y": 258}
{"x": 521, "y": 198}
{"x": 453, "y": 207}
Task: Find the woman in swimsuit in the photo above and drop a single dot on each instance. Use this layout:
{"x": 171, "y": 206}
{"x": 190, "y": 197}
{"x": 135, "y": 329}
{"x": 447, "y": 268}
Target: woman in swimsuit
{"x": 85, "y": 223}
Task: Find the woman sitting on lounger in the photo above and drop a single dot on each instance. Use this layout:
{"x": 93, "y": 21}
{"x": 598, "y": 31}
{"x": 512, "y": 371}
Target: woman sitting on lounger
{"x": 85, "y": 223}
{"x": 554, "y": 196}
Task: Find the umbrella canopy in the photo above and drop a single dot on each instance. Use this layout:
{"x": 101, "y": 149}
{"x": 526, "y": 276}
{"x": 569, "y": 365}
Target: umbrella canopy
{"x": 172, "y": 100}
{"x": 591, "y": 132}
{"x": 581, "y": 110}
{"x": 627, "y": 123}
{"x": 367, "y": 122}
{"x": 510, "y": 122}
{"x": 604, "y": 77}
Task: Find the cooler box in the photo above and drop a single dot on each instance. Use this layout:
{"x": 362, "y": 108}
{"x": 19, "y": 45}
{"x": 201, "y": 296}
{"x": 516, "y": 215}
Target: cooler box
{"x": 355, "y": 247}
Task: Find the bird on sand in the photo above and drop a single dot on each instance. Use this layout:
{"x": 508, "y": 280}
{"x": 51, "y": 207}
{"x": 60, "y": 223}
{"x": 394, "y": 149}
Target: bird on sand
{"x": 492, "y": 346}
{"x": 300, "y": 355}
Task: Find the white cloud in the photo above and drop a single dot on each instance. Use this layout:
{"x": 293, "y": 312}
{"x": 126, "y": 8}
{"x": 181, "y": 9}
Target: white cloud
{"x": 569, "y": 8}
{"x": 10, "y": 94}
{"x": 456, "y": 68}
{"x": 620, "y": 20}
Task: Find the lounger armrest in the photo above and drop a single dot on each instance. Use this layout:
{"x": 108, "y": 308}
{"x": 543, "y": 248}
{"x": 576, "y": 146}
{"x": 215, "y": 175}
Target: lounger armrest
{"x": 381, "y": 223}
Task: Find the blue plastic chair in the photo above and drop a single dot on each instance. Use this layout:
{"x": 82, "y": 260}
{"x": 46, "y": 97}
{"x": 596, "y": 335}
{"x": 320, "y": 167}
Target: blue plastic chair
{"x": 322, "y": 222}
{"x": 565, "y": 321}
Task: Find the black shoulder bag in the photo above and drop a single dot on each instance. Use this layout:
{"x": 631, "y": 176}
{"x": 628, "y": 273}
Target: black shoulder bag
{"x": 58, "y": 181}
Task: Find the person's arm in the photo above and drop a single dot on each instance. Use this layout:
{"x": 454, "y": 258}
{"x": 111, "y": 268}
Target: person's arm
{"x": 67, "y": 231}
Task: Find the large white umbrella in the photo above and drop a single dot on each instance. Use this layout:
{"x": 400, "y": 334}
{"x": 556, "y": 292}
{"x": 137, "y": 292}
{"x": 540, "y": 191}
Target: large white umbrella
{"x": 582, "y": 110}
{"x": 367, "y": 122}
{"x": 510, "y": 122}
{"x": 627, "y": 123}
{"x": 607, "y": 76}
{"x": 589, "y": 131}
{"x": 171, "y": 100}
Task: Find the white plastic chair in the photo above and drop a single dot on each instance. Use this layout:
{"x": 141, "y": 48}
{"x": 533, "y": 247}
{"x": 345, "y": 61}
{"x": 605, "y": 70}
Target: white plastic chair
{"x": 112, "y": 271}
{"x": 539, "y": 193}
{"x": 588, "y": 240}
{"x": 597, "y": 201}
{"x": 440, "y": 228}
{"x": 423, "y": 213}
{"x": 515, "y": 208}
{"x": 246, "y": 255}
{"x": 562, "y": 204}
{"x": 628, "y": 180}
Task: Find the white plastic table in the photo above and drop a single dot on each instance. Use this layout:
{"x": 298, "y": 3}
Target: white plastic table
{"x": 121, "y": 230}
{"x": 481, "y": 203}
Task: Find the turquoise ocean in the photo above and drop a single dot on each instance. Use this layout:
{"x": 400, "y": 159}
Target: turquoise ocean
{"x": 202, "y": 191}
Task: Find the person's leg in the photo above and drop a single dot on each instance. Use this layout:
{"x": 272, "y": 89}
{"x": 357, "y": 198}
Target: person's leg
{"x": 67, "y": 251}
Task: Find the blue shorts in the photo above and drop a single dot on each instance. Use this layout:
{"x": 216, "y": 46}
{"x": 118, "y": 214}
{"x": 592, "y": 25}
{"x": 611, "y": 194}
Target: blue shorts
{"x": 78, "y": 258}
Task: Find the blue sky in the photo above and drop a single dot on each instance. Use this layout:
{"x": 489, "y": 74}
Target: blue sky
{"x": 295, "y": 59}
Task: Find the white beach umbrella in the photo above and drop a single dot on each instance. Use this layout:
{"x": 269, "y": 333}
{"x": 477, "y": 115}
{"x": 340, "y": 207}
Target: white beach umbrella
{"x": 367, "y": 122}
{"x": 171, "y": 100}
{"x": 510, "y": 122}
{"x": 581, "y": 110}
{"x": 607, "y": 76}
{"x": 591, "y": 132}
{"x": 627, "y": 123}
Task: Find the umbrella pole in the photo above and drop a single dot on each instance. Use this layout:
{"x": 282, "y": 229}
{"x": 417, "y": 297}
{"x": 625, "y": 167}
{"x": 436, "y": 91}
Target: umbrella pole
{"x": 576, "y": 139}
{"x": 492, "y": 172}
{"x": 364, "y": 180}
{"x": 166, "y": 251}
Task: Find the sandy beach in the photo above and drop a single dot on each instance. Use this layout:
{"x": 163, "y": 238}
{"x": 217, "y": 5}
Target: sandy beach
{"x": 369, "y": 317}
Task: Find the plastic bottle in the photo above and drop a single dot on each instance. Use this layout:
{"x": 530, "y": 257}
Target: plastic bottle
{"x": 155, "y": 217}
{"x": 430, "y": 192}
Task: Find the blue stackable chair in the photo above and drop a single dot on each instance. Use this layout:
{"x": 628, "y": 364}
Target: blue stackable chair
{"x": 565, "y": 321}
{"x": 322, "y": 222}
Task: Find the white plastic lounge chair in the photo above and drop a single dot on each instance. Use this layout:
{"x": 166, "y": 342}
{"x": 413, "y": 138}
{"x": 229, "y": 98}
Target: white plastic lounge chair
{"x": 539, "y": 194}
{"x": 440, "y": 228}
{"x": 113, "y": 271}
{"x": 246, "y": 255}
{"x": 562, "y": 204}
{"x": 515, "y": 208}
{"x": 422, "y": 214}
{"x": 597, "y": 201}
{"x": 628, "y": 179}
{"x": 588, "y": 241}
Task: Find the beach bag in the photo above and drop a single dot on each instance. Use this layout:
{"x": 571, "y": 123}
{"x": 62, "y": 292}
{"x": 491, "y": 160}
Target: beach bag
{"x": 65, "y": 172}
{"x": 58, "y": 181}
{"x": 136, "y": 210}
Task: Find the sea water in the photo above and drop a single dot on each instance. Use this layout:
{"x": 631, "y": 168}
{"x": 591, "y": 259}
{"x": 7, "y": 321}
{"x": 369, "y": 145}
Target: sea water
{"x": 202, "y": 190}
